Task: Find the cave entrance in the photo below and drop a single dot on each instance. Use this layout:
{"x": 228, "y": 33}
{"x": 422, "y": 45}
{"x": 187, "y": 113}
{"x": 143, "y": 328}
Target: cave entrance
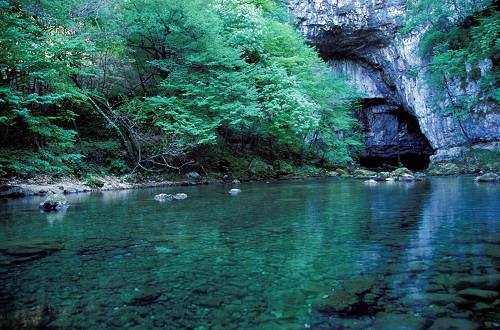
{"x": 414, "y": 162}
{"x": 393, "y": 137}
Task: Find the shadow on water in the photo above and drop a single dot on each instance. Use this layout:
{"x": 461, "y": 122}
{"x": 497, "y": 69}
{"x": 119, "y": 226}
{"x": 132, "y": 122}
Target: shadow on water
{"x": 314, "y": 253}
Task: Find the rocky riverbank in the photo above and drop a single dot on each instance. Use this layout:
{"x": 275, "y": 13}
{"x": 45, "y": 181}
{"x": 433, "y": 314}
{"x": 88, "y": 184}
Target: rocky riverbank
{"x": 42, "y": 185}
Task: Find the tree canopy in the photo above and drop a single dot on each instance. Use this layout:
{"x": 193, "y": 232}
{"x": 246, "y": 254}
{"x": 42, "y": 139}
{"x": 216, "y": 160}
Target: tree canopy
{"x": 165, "y": 85}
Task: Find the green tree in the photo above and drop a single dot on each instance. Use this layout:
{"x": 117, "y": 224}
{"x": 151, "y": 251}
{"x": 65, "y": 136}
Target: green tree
{"x": 37, "y": 95}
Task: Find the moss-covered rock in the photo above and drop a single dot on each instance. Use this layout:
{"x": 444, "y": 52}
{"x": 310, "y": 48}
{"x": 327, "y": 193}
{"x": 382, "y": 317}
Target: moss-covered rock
{"x": 401, "y": 171}
{"x": 383, "y": 176}
{"x": 283, "y": 168}
{"x": 364, "y": 174}
{"x": 333, "y": 173}
{"x": 489, "y": 177}
{"x": 445, "y": 169}
{"x": 308, "y": 170}
{"x": 194, "y": 177}
{"x": 471, "y": 162}
{"x": 342, "y": 172}
{"x": 95, "y": 182}
{"x": 54, "y": 202}
{"x": 260, "y": 168}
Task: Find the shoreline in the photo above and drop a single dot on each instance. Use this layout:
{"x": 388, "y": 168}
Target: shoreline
{"x": 18, "y": 188}
{"x": 25, "y": 188}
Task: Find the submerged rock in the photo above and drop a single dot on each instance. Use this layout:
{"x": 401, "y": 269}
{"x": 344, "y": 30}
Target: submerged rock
{"x": 180, "y": 196}
{"x": 447, "y": 323}
{"x": 488, "y": 177}
{"x": 144, "y": 298}
{"x": 388, "y": 321}
{"x": 234, "y": 191}
{"x": 20, "y": 252}
{"x": 359, "y": 285}
{"x": 478, "y": 294}
{"x": 164, "y": 197}
{"x": 485, "y": 282}
{"x": 340, "y": 301}
{"x": 212, "y": 301}
{"x": 54, "y": 202}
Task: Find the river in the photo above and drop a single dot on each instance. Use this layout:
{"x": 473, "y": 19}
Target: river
{"x": 317, "y": 253}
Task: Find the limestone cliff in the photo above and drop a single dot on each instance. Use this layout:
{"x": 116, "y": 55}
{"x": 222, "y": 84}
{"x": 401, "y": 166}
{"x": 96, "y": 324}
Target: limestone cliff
{"x": 360, "y": 39}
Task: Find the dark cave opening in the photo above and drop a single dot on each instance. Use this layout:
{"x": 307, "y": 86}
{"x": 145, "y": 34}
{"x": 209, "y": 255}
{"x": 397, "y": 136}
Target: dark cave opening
{"x": 414, "y": 162}
{"x": 393, "y": 137}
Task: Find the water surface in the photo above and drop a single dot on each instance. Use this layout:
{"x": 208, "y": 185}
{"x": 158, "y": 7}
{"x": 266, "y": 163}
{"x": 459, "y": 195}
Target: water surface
{"x": 322, "y": 254}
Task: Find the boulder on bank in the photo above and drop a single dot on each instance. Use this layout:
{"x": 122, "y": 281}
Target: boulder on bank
{"x": 342, "y": 172}
{"x": 364, "y": 174}
{"x": 95, "y": 182}
{"x": 333, "y": 173}
{"x": 8, "y": 190}
{"x": 407, "y": 178}
{"x": 54, "y": 202}
{"x": 401, "y": 171}
{"x": 164, "y": 197}
{"x": 383, "y": 176}
{"x": 236, "y": 181}
{"x": 404, "y": 174}
{"x": 194, "y": 177}
{"x": 489, "y": 177}
{"x": 260, "y": 168}
{"x": 443, "y": 169}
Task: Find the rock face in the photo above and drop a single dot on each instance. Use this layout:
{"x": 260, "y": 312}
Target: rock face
{"x": 400, "y": 114}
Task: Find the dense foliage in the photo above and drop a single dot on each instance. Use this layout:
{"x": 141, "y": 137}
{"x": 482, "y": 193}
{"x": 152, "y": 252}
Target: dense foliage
{"x": 165, "y": 85}
{"x": 461, "y": 41}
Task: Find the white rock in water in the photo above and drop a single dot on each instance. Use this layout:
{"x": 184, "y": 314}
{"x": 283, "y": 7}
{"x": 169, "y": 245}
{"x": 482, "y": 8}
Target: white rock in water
{"x": 180, "y": 196}
{"x": 407, "y": 177}
{"x": 163, "y": 197}
{"x": 234, "y": 191}
{"x": 370, "y": 182}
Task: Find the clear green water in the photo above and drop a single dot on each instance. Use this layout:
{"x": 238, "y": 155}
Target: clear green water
{"x": 322, "y": 254}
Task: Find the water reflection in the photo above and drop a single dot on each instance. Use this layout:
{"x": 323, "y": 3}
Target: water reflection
{"x": 318, "y": 253}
